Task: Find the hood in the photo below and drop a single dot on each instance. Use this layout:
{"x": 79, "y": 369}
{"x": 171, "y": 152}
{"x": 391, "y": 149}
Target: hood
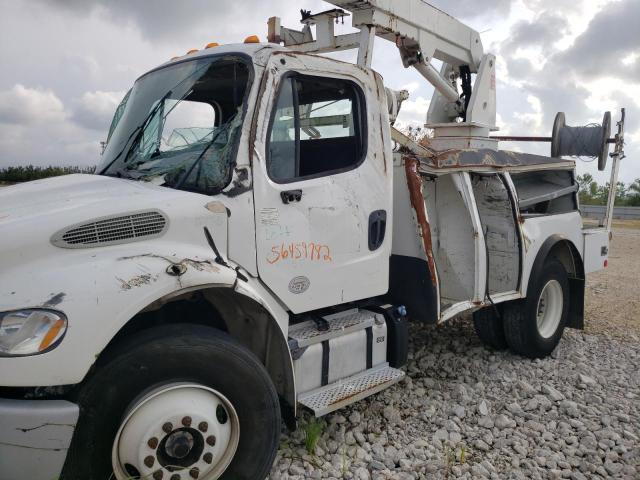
{"x": 73, "y": 195}
{"x": 33, "y": 212}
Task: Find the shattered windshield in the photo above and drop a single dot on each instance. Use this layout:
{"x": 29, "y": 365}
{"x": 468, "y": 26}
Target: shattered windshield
{"x": 180, "y": 124}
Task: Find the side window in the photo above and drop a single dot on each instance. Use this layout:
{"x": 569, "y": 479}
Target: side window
{"x": 317, "y": 128}
{"x": 283, "y": 142}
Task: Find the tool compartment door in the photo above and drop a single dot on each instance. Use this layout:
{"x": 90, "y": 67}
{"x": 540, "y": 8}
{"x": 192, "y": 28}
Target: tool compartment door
{"x": 596, "y": 249}
{"x": 322, "y": 182}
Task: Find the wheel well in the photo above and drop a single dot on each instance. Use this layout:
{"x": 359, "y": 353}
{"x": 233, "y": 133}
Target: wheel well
{"x": 224, "y": 309}
{"x": 568, "y": 255}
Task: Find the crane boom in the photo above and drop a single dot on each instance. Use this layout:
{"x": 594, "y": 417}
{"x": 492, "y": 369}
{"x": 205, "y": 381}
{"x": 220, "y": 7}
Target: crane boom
{"x": 421, "y": 32}
{"x": 417, "y": 23}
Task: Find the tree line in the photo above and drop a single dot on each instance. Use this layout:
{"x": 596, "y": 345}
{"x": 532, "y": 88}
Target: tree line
{"x": 30, "y": 172}
{"x": 592, "y": 193}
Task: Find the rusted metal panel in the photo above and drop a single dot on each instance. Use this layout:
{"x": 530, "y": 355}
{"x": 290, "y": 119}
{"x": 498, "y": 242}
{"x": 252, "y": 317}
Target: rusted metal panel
{"x": 414, "y": 182}
{"x": 502, "y": 159}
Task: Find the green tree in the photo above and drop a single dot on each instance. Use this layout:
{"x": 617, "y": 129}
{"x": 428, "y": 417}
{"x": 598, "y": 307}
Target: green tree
{"x": 588, "y": 189}
{"x": 633, "y": 193}
{"x": 29, "y": 172}
{"x": 603, "y": 194}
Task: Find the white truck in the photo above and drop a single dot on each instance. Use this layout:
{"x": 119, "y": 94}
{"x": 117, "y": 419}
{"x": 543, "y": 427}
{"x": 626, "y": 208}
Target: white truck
{"x": 255, "y": 239}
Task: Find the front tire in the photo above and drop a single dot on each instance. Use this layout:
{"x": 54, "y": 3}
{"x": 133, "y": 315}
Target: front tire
{"x": 187, "y": 401}
{"x": 533, "y": 326}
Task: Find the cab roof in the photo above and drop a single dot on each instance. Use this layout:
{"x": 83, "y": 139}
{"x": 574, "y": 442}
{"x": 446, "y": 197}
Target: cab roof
{"x": 250, "y": 49}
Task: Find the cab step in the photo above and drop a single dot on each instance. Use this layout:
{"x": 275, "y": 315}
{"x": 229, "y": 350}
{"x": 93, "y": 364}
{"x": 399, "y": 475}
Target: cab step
{"x": 349, "y": 390}
{"x": 329, "y": 327}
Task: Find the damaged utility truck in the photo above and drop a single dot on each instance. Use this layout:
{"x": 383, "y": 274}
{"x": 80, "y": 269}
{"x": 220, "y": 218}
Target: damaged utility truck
{"x": 255, "y": 240}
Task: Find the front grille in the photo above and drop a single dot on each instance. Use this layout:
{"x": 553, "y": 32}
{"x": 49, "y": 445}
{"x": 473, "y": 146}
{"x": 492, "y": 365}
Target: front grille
{"x": 111, "y": 230}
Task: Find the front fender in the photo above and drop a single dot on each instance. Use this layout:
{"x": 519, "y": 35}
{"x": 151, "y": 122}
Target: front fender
{"x": 100, "y": 290}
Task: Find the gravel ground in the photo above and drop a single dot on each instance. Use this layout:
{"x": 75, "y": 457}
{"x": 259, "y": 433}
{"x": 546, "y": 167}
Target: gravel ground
{"x": 613, "y": 294}
{"x": 467, "y": 412}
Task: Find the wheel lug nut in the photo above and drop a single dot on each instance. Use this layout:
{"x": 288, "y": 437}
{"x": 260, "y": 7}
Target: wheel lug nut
{"x": 194, "y": 472}
{"x": 211, "y": 440}
{"x": 157, "y": 475}
{"x": 208, "y": 457}
{"x": 152, "y": 442}
{"x": 203, "y": 426}
{"x": 186, "y": 421}
{"x": 167, "y": 427}
{"x": 149, "y": 461}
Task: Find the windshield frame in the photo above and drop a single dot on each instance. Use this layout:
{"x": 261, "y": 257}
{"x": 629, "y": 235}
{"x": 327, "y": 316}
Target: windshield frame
{"x": 241, "y": 57}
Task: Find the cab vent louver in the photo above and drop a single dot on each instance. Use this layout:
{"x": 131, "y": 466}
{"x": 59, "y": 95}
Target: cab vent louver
{"x": 112, "y": 230}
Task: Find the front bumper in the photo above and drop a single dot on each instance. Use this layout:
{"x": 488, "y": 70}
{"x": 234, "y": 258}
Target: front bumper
{"x": 34, "y": 437}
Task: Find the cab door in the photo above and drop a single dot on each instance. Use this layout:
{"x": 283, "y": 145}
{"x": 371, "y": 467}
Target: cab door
{"x": 322, "y": 182}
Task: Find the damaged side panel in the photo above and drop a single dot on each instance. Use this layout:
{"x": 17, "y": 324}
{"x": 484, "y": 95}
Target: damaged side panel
{"x": 413, "y": 274}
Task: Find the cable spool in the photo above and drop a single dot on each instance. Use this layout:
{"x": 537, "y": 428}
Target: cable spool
{"x": 587, "y": 141}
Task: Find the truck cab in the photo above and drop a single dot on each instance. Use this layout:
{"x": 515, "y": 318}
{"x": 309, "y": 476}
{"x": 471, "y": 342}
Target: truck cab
{"x": 255, "y": 240}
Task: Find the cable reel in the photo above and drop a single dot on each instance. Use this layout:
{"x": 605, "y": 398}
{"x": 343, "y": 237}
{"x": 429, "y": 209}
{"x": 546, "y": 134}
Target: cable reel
{"x": 584, "y": 141}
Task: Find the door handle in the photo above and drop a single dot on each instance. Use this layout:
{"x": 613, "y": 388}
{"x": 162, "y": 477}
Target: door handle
{"x": 377, "y": 228}
{"x": 289, "y": 196}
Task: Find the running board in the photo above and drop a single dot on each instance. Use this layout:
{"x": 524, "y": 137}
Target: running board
{"x": 349, "y": 390}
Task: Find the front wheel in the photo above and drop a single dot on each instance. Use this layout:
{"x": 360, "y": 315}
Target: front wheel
{"x": 176, "y": 402}
{"x": 533, "y": 326}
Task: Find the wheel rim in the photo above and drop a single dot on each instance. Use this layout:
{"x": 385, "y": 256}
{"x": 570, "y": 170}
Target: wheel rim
{"x": 177, "y": 432}
{"x": 550, "y": 307}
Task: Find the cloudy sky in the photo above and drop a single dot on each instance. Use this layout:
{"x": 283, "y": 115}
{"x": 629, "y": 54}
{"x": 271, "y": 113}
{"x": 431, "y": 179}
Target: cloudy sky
{"x": 67, "y": 63}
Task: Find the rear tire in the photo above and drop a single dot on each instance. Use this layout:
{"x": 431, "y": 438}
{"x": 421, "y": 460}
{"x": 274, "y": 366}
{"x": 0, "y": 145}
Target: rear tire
{"x": 533, "y": 326}
{"x": 489, "y": 327}
{"x": 213, "y": 370}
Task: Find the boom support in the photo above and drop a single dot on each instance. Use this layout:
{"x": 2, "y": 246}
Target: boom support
{"x": 421, "y": 32}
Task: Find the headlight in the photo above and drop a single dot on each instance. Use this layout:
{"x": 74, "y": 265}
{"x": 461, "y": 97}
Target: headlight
{"x": 30, "y": 331}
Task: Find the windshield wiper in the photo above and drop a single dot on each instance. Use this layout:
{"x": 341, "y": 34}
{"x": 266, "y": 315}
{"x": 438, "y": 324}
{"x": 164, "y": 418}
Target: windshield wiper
{"x": 136, "y": 134}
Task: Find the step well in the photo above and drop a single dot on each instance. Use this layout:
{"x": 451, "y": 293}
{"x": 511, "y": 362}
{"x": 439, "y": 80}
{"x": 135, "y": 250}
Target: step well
{"x": 349, "y": 390}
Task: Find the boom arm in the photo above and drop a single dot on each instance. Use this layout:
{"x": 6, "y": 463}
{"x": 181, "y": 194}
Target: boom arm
{"x": 414, "y": 24}
{"x": 421, "y": 32}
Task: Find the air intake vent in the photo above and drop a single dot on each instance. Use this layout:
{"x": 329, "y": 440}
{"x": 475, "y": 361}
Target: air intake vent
{"x": 112, "y": 230}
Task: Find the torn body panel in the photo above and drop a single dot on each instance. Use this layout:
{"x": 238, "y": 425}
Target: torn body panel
{"x": 413, "y": 279}
{"x": 500, "y": 159}
{"x": 414, "y": 183}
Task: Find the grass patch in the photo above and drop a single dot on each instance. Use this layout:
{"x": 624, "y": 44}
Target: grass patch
{"x": 312, "y": 433}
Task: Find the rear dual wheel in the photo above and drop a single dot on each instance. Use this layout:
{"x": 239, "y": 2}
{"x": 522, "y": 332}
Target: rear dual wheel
{"x": 176, "y": 403}
{"x": 531, "y": 327}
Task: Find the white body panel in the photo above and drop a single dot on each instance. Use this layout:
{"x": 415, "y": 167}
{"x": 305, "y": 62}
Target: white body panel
{"x": 323, "y": 238}
{"x": 98, "y": 289}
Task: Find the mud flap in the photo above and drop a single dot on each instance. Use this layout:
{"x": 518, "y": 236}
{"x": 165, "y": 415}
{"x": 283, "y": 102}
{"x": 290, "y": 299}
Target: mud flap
{"x": 576, "y": 304}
